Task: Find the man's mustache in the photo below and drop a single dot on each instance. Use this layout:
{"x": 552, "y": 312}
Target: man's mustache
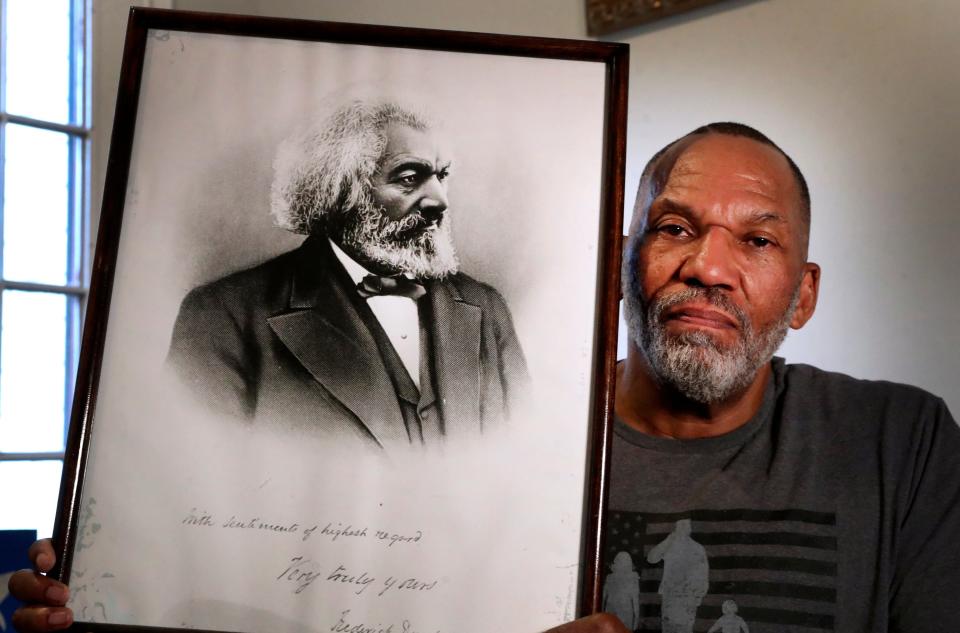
{"x": 712, "y": 296}
{"x": 412, "y": 225}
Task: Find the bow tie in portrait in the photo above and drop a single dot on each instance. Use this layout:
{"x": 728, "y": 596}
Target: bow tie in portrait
{"x": 400, "y": 286}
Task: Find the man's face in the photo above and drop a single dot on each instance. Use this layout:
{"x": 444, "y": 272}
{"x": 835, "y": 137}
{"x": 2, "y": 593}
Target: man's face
{"x": 721, "y": 265}
{"x": 402, "y": 225}
{"x": 412, "y": 178}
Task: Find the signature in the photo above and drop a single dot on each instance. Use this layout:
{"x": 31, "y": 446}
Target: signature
{"x": 345, "y": 624}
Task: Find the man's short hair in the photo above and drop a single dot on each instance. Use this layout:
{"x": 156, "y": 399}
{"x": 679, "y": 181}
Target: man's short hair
{"x": 328, "y": 167}
{"x": 658, "y": 169}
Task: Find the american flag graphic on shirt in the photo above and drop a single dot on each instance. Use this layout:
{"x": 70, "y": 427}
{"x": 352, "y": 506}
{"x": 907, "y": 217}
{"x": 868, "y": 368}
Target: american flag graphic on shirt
{"x": 722, "y": 571}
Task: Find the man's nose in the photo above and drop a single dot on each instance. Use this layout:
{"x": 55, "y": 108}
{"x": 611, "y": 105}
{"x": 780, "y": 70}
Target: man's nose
{"x": 434, "y": 198}
{"x": 711, "y": 261}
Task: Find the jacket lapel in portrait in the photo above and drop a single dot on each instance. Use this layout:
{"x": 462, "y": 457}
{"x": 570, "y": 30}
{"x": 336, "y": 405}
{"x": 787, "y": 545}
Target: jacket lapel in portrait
{"x": 455, "y": 330}
{"x": 324, "y": 331}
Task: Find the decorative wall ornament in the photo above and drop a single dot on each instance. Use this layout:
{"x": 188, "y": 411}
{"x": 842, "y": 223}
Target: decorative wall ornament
{"x": 607, "y": 16}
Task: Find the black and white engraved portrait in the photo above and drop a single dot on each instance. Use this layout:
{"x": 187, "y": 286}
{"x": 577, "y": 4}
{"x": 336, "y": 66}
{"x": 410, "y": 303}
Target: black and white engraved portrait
{"x": 352, "y": 334}
{"x": 369, "y": 328}
{"x": 382, "y": 248}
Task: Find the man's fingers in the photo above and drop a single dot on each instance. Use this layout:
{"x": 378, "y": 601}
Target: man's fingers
{"x": 597, "y": 623}
{"x": 44, "y": 596}
{"x": 42, "y": 555}
{"x": 30, "y": 587}
{"x": 41, "y": 619}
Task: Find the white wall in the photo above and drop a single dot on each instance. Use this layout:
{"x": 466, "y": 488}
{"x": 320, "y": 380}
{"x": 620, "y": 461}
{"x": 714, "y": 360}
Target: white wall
{"x": 862, "y": 94}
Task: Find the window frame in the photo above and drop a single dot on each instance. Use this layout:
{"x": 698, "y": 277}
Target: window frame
{"x": 79, "y": 134}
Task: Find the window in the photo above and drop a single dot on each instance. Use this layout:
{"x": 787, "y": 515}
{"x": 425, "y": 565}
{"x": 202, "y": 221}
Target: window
{"x": 44, "y": 151}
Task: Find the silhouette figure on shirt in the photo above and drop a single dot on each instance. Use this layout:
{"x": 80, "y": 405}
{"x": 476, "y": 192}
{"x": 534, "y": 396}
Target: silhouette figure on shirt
{"x": 729, "y": 622}
{"x": 685, "y": 578}
{"x": 621, "y": 591}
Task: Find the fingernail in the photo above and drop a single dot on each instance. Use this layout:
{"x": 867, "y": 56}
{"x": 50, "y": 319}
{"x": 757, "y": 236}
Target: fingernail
{"x": 58, "y": 618}
{"x": 57, "y": 594}
{"x": 44, "y": 562}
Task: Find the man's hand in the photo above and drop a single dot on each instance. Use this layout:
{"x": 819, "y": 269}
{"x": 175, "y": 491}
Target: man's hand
{"x": 44, "y": 597}
{"x": 598, "y": 623}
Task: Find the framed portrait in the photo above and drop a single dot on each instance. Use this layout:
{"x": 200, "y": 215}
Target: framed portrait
{"x": 348, "y": 358}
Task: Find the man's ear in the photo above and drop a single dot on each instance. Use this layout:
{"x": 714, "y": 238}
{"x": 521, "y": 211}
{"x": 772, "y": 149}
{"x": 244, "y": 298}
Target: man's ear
{"x": 809, "y": 289}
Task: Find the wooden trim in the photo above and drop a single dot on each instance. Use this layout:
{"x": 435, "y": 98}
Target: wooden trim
{"x": 607, "y": 16}
{"x": 98, "y": 300}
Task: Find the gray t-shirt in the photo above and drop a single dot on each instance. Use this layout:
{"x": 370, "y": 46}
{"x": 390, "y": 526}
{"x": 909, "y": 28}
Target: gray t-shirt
{"x": 836, "y": 508}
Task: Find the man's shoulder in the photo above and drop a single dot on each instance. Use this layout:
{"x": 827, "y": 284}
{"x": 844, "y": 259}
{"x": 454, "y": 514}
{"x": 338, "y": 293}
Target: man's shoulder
{"x": 832, "y": 383}
{"x": 853, "y": 404}
{"x": 466, "y": 288}
{"x": 264, "y": 282}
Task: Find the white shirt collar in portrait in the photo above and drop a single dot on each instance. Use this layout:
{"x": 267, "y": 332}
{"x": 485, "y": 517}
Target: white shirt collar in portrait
{"x": 397, "y": 315}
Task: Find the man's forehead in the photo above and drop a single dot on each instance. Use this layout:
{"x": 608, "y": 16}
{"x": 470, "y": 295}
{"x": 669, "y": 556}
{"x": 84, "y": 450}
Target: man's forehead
{"x": 717, "y": 164}
{"x": 408, "y": 143}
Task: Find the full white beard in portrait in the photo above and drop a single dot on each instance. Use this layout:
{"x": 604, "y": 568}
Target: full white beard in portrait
{"x": 693, "y": 363}
{"x": 411, "y": 245}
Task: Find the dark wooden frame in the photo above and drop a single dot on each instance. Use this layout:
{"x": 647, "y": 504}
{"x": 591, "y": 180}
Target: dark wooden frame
{"x": 614, "y": 56}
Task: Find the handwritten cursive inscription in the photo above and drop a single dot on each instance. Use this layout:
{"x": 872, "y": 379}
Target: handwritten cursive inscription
{"x": 410, "y": 584}
{"x": 336, "y": 532}
{"x": 398, "y": 538}
{"x": 345, "y": 625}
{"x": 332, "y": 530}
{"x": 301, "y": 572}
{"x": 341, "y": 575}
{"x": 199, "y": 519}
{"x": 256, "y": 523}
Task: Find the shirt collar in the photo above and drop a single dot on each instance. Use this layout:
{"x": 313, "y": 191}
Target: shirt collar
{"x": 355, "y": 270}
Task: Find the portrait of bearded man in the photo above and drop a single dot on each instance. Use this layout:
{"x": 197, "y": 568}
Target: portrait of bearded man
{"x": 368, "y": 330}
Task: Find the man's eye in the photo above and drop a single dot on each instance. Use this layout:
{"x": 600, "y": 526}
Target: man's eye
{"x": 759, "y": 241}
{"x": 408, "y": 179}
{"x": 673, "y": 230}
{"x": 443, "y": 174}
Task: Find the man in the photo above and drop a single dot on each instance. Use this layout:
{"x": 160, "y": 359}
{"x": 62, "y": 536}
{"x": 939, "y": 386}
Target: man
{"x": 823, "y": 503}
{"x": 367, "y": 331}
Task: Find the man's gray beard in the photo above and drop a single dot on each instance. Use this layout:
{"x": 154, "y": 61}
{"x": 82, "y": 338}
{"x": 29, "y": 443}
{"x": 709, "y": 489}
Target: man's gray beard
{"x": 692, "y": 363}
{"x": 411, "y": 245}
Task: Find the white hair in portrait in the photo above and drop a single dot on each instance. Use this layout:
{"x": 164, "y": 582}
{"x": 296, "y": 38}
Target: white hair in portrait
{"x": 322, "y": 182}
{"x": 327, "y": 166}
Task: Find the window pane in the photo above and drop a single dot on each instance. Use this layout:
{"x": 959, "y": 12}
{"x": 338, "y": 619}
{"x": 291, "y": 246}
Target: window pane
{"x": 38, "y": 59}
{"x": 29, "y": 492}
{"x": 36, "y": 205}
{"x": 33, "y": 371}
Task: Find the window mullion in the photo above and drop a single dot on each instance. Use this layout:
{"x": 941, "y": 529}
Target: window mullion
{"x": 31, "y": 457}
{"x": 53, "y": 126}
{"x": 75, "y": 290}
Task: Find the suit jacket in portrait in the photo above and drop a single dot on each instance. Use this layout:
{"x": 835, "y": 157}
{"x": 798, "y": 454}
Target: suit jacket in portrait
{"x": 291, "y": 342}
